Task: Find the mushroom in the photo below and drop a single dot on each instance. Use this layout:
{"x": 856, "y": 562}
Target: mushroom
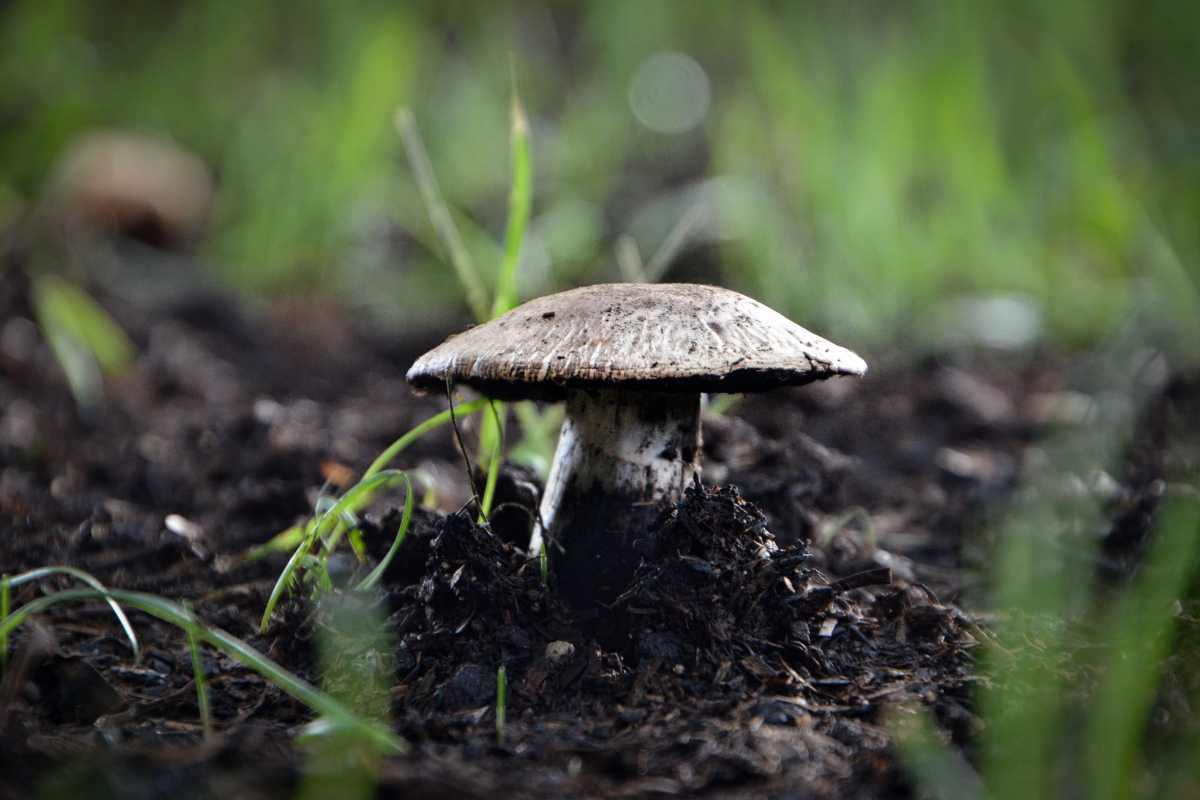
{"x": 135, "y": 185}
{"x": 630, "y": 361}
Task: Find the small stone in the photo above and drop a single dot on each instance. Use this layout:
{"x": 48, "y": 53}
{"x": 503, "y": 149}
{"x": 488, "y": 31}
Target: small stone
{"x": 182, "y": 526}
{"x": 559, "y": 651}
{"x": 472, "y": 686}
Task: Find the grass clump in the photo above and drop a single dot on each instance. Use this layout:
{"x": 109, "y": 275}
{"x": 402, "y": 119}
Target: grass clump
{"x": 322, "y": 532}
{"x": 520, "y": 203}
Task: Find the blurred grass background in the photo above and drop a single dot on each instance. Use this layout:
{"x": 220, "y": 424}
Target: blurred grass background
{"x": 857, "y": 165}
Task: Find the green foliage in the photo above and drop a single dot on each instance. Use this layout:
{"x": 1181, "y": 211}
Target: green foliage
{"x": 283, "y": 542}
{"x": 376, "y": 575}
{"x": 879, "y": 161}
{"x": 324, "y": 529}
{"x": 436, "y": 421}
{"x": 440, "y": 216}
{"x": 520, "y": 201}
{"x": 1035, "y": 665}
{"x": 1142, "y": 626}
{"x": 354, "y": 648}
{"x": 201, "y": 682}
{"x": 501, "y": 702}
{"x": 85, "y": 340}
{"x": 1061, "y": 635}
{"x": 491, "y": 443}
{"x": 897, "y": 158}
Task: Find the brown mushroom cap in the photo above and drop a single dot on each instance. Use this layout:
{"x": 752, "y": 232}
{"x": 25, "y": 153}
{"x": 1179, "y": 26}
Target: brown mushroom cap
{"x": 134, "y": 184}
{"x": 660, "y": 337}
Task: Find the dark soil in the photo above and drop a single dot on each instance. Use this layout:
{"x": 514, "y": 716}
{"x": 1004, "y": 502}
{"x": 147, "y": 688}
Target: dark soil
{"x": 780, "y": 610}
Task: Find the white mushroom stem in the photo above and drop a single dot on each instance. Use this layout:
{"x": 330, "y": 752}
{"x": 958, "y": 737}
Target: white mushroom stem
{"x": 621, "y": 454}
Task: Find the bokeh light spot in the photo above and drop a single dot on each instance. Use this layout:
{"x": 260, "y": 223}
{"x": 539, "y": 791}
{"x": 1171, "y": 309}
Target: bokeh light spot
{"x": 669, "y": 93}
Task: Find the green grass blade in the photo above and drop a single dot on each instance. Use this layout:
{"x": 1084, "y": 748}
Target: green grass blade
{"x": 544, "y": 564}
{"x": 327, "y": 528}
{"x": 5, "y": 595}
{"x": 520, "y": 201}
{"x": 720, "y": 404}
{"x": 83, "y": 577}
{"x": 64, "y": 308}
{"x": 539, "y": 436}
{"x": 355, "y": 537}
{"x": 282, "y": 542}
{"x": 285, "y": 577}
{"x": 333, "y": 522}
{"x": 436, "y": 421}
{"x": 1143, "y": 628}
{"x": 318, "y": 528}
{"x": 201, "y": 682}
{"x": 372, "y": 580}
{"x": 501, "y": 702}
{"x": 495, "y": 456}
{"x": 941, "y": 771}
{"x": 439, "y": 214}
{"x": 228, "y": 644}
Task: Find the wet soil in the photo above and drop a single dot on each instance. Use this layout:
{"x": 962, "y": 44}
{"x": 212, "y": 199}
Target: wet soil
{"x": 824, "y": 573}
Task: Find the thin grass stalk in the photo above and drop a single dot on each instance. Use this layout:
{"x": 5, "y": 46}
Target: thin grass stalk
{"x": 520, "y": 201}
{"x": 84, "y": 577}
{"x": 5, "y": 593}
{"x": 201, "y": 682}
{"x": 327, "y": 529}
{"x": 495, "y": 457}
{"x": 286, "y": 576}
{"x": 439, "y": 214}
{"x": 501, "y": 702}
{"x": 436, "y": 421}
{"x": 376, "y": 575}
{"x": 283, "y": 542}
{"x": 333, "y": 523}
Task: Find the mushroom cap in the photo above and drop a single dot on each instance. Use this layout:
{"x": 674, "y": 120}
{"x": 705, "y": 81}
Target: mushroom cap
{"x": 134, "y": 184}
{"x": 657, "y": 337}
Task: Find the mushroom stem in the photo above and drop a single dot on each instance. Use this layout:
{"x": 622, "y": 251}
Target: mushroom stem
{"x": 621, "y": 455}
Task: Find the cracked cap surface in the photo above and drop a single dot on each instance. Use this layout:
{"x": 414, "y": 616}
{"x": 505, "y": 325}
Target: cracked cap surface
{"x": 661, "y": 337}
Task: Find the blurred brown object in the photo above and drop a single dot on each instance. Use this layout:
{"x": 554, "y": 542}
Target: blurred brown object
{"x": 131, "y": 184}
